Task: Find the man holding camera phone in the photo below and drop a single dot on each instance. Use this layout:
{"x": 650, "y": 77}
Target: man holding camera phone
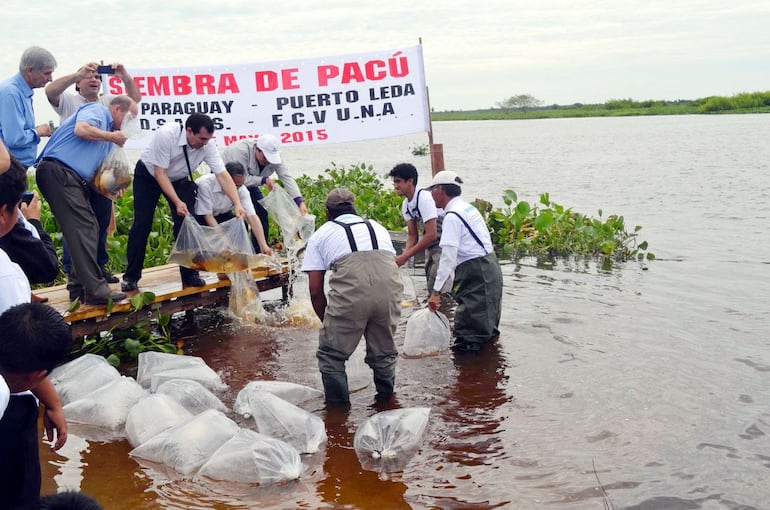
{"x": 88, "y": 84}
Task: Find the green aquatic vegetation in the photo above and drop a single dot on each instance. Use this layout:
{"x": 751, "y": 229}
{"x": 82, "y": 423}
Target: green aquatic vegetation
{"x": 151, "y": 333}
{"x": 554, "y": 230}
{"x": 420, "y": 150}
{"x": 373, "y": 200}
{"x": 519, "y": 228}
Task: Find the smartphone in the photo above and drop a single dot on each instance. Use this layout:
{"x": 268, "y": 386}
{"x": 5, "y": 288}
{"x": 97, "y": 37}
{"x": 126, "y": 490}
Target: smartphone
{"x": 102, "y": 69}
{"x": 26, "y": 197}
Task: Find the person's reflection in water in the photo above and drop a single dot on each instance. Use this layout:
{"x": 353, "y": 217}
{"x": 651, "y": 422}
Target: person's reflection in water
{"x": 346, "y": 482}
{"x": 473, "y": 417}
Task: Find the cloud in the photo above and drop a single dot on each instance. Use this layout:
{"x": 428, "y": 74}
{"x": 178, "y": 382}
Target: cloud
{"x": 476, "y": 53}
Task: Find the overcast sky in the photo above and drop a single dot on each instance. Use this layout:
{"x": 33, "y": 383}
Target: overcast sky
{"x": 476, "y": 53}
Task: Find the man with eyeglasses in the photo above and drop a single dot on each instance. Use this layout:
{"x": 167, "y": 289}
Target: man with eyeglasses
{"x": 166, "y": 167}
{"x": 88, "y": 84}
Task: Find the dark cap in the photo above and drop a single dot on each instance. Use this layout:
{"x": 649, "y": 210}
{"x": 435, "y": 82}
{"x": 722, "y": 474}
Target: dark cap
{"x": 339, "y": 196}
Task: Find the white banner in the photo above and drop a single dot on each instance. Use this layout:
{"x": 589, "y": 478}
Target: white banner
{"x": 320, "y": 100}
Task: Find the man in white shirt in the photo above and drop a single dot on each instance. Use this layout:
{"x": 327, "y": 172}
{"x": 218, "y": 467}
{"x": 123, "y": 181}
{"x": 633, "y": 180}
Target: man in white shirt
{"x": 213, "y": 206}
{"x": 466, "y": 247}
{"x": 364, "y": 296}
{"x": 262, "y": 158}
{"x": 88, "y": 84}
{"x": 166, "y": 167}
{"x": 419, "y": 212}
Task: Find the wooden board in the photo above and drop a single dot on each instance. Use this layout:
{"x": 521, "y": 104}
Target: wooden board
{"x": 170, "y": 297}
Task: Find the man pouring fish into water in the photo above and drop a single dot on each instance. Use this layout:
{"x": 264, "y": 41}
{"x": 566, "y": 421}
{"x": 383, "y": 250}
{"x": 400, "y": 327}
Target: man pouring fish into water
{"x": 166, "y": 167}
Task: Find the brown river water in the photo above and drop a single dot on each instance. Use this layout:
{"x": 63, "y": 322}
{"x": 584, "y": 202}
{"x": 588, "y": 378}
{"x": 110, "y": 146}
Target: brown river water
{"x": 637, "y": 385}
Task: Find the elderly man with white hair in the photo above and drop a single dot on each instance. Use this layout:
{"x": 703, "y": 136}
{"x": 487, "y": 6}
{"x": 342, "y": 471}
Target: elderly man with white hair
{"x": 17, "y": 114}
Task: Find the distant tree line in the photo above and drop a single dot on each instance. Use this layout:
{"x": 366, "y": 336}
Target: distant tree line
{"x": 709, "y": 104}
{"x": 526, "y": 106}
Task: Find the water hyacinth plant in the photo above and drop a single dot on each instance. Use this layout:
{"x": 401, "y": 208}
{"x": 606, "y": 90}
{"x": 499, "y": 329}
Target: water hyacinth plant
{"x": 553, "y": 230}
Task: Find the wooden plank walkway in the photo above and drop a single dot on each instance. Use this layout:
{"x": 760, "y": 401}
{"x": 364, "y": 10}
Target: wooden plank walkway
{"x": 170, "y": 297}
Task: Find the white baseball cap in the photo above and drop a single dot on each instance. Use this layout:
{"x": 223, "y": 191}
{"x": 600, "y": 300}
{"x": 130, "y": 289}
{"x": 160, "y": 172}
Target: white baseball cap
{"x": 445, "y": 177}
{"x": 269, "y": 144}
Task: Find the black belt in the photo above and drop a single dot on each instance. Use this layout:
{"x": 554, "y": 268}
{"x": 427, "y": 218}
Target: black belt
{"x": 58, "y": 162}
{"x": 83, "y": 183}
{"x": 143, "y": 168}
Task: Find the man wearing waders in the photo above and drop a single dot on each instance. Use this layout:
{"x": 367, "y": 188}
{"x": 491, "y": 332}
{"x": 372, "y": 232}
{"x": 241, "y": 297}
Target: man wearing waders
{"x": 364, "y": 296}
{"x": 466, "y": 247}
{"x": 418, "y": 210}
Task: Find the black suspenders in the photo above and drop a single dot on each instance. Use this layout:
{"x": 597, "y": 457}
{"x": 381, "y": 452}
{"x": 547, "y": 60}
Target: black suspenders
{"x": 349, "y": 232}
{"x": 411, "y": 212}
{"x": 469, "y": 229}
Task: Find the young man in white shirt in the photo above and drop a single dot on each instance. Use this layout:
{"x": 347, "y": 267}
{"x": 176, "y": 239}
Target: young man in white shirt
{"x": 21, "y": 368}
{"x": 213, "y": 206}
{"x": 419, "y": 212}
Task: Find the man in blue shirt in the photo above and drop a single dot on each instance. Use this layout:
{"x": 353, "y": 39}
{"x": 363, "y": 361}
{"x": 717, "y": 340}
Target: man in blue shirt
{"x": 65, "y": 169}
{"x": 17, "y": 115}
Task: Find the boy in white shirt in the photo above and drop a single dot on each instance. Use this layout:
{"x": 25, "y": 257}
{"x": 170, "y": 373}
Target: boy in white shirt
{"x": 213, "y": 206}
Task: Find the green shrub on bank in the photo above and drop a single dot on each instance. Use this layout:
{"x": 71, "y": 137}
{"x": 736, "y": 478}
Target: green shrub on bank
{"x": 517, "y": 229}
{"x": 745, "y": 102}
{"x": 553, "y": 230}
{"x": 373, "y": 200}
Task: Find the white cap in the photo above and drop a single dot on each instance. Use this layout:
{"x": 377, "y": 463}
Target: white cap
{"x": 269, "y": 144}
{"x": 445, "y": 177}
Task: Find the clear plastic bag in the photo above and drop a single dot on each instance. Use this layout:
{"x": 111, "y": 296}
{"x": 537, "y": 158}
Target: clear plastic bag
{"x": 114, "y": 174}
{"x": 108, "y": 406}
{"x": 225, "y": 248}
{"x": 188, "y": 445}
{"x": 81, "y": 376}
{"x": 295, "y": 228}
{"x": 151, "y": 416}
{"x": 192, "y": 395}
{"x": 251, "y": 457}
{"x": 155, "y": 368}
{"x": 289, "y": 391}
{"x": 410, "y": 294}
{"x": 132, "y": 128}
{"x": 427, "y": 333}
{"x": 278, "y": 418}
{"x": 386, "y": 441}
{"x": 245, "y": 300}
